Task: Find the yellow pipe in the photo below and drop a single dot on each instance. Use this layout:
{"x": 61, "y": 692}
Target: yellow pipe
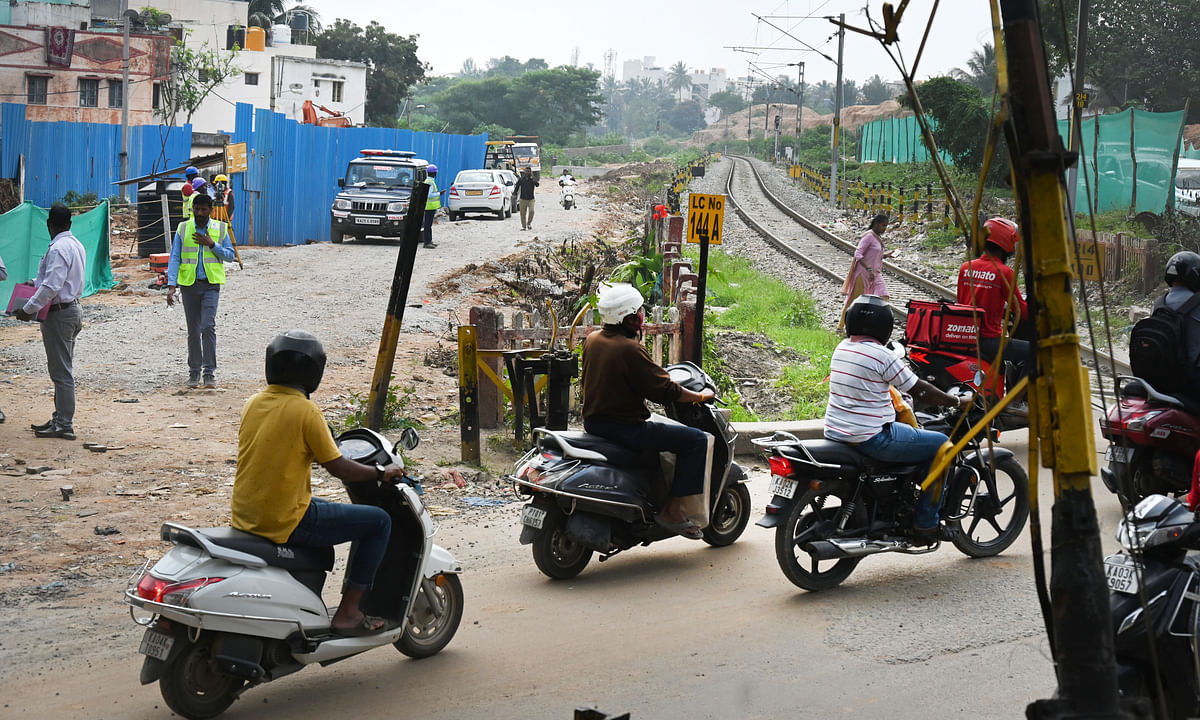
{"x": 947, "y": 452}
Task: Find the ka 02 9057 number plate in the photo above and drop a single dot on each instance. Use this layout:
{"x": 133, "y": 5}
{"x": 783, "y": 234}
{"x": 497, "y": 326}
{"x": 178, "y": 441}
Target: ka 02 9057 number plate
{"x": 1121, "y": 573}
{"x": 785, "y": 487}
{"x": 533, "y": 517}
{"x": 156, "y": 644}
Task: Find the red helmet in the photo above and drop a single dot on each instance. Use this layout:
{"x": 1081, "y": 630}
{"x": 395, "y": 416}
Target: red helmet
{"x": 1002, "y": 232}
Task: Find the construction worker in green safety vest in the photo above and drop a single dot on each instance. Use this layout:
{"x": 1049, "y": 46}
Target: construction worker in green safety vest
{"x": 197, "y": 266}
{"x": 432, "y": 204}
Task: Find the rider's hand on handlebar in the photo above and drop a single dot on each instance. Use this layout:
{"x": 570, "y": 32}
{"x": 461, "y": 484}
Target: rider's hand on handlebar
{"x": 393, "y": 473}
{"x": 965, "y": 400}
{"x": 706, "y": 396}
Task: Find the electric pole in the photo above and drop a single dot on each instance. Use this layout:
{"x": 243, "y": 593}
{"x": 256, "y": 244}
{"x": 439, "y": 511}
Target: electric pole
{"x": 124, "y": 155}
{"x": 837, "y": 113}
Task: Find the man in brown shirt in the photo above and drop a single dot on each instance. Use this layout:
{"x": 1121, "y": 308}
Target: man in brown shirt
{"x": 618, "y": 377}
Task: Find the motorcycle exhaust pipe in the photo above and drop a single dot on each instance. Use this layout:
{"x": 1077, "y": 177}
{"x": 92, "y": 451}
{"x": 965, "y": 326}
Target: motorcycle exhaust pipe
{"x": 852, "y": 548}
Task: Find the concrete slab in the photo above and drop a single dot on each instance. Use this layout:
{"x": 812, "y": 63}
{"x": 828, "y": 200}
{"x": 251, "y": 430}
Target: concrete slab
{"x": 803, "y": 429}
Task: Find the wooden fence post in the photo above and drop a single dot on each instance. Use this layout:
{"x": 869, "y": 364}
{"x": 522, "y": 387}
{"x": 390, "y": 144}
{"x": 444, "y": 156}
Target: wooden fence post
{"x": 488, "y": 322}
{"x": 682, "y": 349}
{"x": 675, "y": 229}
{"x": 468, "y": 395}
{"x": 1150, "y": 271}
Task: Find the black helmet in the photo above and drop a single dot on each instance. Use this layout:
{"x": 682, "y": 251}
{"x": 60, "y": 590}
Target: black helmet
{"x": 1184, "y": 267}
{"x": 296, "y": 359}
{"x": 870, "y": 315}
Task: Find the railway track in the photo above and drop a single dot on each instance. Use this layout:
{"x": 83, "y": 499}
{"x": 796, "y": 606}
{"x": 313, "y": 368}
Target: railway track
{"x": 829, "y": 255}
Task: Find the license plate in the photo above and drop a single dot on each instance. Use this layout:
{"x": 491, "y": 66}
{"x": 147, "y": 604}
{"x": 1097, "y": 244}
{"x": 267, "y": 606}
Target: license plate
{"x": 474, "y": 192}
{"x": 785, "y": 487}
{"x": 533, "y": 517}
{"x": 156, "y": 644}
{"x": 1121, "y": 573}
{"x": 1117, "y": 453}
{"x": 366, "y": 221}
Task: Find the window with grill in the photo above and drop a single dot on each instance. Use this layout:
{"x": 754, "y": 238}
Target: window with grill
{"x": 35, "y": 89}
{"x": 251, "y": 78}
{"x": 337, "y": 91}
{"x": 114, "y": 93}
{"x": 89, "y": 93}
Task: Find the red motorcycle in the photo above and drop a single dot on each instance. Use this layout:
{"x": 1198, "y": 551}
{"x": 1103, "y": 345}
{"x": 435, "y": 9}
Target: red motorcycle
{"x": 1153, "y": 440}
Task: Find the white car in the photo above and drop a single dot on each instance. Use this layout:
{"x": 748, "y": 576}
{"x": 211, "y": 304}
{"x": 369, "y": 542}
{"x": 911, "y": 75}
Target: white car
{"x": 480, "y": 191}
{"x": 510, "y": 178}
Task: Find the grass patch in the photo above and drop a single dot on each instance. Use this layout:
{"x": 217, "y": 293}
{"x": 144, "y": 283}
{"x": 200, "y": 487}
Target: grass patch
{"x": 760, "y": 304}
{"x": 1113, "y": 221}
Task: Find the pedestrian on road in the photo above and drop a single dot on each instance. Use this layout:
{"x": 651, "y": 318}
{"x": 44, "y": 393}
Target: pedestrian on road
{"x": 197, "y": 265}
{"x": 866, "y": 269}
{"x": 59, "y": 285}
{"x": 525, "y": 185}
{"x": 3, "y": 277}
{"x": 432, "y": 204}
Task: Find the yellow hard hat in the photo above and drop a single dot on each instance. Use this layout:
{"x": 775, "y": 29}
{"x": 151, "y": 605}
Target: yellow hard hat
{"x": 220, "y": 178}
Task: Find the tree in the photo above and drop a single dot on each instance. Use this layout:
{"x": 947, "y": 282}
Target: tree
{"x": 678, "y": 79}
{"x": 393, "y": 62}
{"x": 822, "y": 96}
{"x": 686, "y": 117}
{"x": 849, "y": 93}
{"x": 509, "y": 66}
{"x": 875, "y": 91}
{"x": 1144, "y": 52}
{"x": 262, "y": 13}
{"x": 961, "y": 120}
{"x": 981, "y": 70}
{"x": 195, "y": 73}
{"x": 552, "y": 104}
{"x": 727, "y": 102}
{"x": 469, "y": 69}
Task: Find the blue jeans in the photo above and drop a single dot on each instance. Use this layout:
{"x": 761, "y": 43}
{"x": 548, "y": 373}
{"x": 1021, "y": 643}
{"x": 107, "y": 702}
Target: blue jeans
{"x": 902, "y": 443}
{"x": 200, "y": 310}
{"x": 326, "y": 523}
{"x": 689, "y": 445}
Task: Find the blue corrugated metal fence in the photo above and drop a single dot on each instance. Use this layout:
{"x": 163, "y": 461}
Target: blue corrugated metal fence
{"x": 291, "y": 179}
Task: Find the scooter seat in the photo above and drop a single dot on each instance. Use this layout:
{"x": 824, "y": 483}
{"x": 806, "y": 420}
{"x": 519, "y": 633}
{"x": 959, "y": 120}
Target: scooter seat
{"x": 286, "y": 556}
{"x": 581, "y": 445}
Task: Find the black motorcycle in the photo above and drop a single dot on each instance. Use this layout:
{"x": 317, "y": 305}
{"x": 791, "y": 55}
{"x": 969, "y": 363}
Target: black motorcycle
{"x": 832, "y": 506}
{"x": 590, "y": 495}
{"x": 1154, "y": 594}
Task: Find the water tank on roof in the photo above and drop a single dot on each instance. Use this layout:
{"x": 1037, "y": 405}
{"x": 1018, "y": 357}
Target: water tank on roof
{"x": 299, "y": 21}
{"x": 255, "y": 38}
{"x": 281, "y": 35}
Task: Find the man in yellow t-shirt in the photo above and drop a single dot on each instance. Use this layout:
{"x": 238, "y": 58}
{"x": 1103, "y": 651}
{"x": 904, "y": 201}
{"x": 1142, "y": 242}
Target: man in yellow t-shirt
{"x": 282, "y": 432}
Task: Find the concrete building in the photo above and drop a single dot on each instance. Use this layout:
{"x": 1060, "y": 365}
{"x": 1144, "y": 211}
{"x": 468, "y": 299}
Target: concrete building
{"x": 64, "y": 60}
{"x": 64, "y": 71}
{"x": 644, "y": 69}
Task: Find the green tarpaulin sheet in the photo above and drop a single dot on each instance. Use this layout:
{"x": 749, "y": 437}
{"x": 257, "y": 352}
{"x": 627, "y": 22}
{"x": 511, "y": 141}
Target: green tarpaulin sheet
{"x": 24, "y": 239}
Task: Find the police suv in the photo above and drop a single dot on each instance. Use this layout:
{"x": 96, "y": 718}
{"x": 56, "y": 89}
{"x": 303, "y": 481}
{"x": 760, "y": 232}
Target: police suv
{"x": 374, "y": 194}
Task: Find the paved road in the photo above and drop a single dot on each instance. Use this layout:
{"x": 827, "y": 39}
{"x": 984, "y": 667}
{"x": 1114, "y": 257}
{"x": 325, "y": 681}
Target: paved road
{"x": 674, "y": 631}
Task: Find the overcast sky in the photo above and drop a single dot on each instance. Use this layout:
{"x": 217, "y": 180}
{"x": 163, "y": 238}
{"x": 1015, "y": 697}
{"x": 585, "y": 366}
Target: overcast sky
{"x": 701, "y": 33}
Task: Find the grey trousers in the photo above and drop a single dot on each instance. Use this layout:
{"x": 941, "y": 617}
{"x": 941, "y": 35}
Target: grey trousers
{"x": 59, "y": 330}
{"x": 526, "y": 207}
{"x": 200, "y": 311}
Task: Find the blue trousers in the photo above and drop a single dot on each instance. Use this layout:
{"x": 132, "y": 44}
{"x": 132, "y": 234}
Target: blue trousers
{"x": 902, "y": 443}
{"x": 326, "y": 523}
{"x": 200, "y": 310}
{"x": 689, "y": 445}
{"x": 427, "y": 226}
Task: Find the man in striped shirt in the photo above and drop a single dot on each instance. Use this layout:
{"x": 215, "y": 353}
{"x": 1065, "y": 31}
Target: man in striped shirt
{"x": 860, "y": 410}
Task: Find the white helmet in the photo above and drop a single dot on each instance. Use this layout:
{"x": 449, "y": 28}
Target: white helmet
{"x": 616, "y": 301}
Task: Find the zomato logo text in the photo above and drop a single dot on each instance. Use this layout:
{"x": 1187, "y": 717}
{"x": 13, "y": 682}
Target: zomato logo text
{"x": 964, "y": 329}
{"x": 979, "y": 274}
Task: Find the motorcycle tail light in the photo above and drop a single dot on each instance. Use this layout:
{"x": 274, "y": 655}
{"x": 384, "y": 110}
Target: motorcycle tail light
{"x": 168, "y": 592}
{"x": 1139, "y": 424}
{"x": 780, "y": 465}
{"x": 529, "y": 473}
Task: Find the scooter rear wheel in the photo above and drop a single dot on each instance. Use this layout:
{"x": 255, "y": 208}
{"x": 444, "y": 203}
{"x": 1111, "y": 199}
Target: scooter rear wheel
{"x": 730, "y": 517}
{"x": 427, "y": 632}
{"x": 555, "y": 554}
{"x": 193, "y": 686}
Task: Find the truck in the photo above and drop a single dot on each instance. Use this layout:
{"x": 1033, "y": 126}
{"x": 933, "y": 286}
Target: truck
{"x": 499, "y": 155}
{"x": 527, "y": 154}
{"x": 374, "y": 194}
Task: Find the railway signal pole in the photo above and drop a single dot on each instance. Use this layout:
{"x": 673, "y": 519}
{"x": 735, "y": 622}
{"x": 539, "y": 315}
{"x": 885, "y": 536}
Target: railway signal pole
{"x": 837, "y": 113}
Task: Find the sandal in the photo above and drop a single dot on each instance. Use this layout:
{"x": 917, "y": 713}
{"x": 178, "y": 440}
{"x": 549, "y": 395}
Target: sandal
{"x": 687, "y": 528}
{"x": 369, "y": 625}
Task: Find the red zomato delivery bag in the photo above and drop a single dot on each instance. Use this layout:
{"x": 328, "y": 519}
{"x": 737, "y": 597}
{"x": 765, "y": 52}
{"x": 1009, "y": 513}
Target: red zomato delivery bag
{"x": 942, "y": 325}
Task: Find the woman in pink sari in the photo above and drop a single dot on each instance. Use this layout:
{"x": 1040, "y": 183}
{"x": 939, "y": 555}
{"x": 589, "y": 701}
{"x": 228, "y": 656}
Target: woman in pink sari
{"x": 865, "y": 276}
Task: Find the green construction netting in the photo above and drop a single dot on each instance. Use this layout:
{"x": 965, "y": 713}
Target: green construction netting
{"x": 24, "y": 240}
{"x": 1190, "y": 152}
{"x": 1116, "y": 149}
{"x": 892, "y": 140}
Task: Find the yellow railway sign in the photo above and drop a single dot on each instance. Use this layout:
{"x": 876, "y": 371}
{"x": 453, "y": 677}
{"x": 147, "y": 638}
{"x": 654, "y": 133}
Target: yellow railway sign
{"x": 706, "y": 214}
{"x": 1091, "y": 261}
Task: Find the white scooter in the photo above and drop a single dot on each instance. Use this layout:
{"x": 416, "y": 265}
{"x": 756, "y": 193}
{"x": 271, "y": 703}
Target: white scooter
{"x": 232, "y": 610}
{"x": 567, "y": 193}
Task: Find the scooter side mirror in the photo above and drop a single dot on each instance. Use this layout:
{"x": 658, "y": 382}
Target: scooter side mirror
{"x": 979, "y": 378}
{"x": 409, "y": 439}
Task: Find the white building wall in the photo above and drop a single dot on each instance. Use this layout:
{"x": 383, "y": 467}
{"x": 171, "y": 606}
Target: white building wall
{"x": 46, "y": 14}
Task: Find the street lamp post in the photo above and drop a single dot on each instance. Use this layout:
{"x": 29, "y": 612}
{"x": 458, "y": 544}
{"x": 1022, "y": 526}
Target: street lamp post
{"x": 408, "y": 120}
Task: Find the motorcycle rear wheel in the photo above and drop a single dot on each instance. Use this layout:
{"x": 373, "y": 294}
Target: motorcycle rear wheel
{"x": 730, "y": 517}
{"x": 811, "y": 518}
{"x": 555, "y": 554}
{"x": 427, "y": 633}
{"x": 999, "y": 503}
{"x": 192, "y": 685}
